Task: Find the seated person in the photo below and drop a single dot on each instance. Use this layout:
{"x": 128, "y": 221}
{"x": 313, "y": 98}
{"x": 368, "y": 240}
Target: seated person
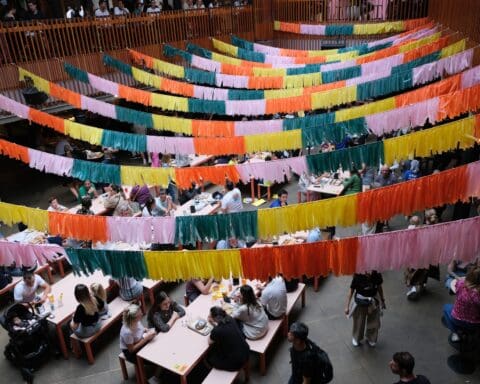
{"x": 26, "y": 290}
{"x": 87, "y": 188}
{"x": 86, "y": 319}
{"x": 386, "y": 177}
{"x": 129, "y": 288}
{"x": 457, "y": 270}
{"x": 281, "y": 201}
{"x": 197, "y": 287}
{"x": 85, "y": 207}
{"x": 140, "y": 194}
{"x": 114, "y": 199}
{"x": 102, "y": 10}
{"x": 250, "y": 314}
{"x": 189, "y": 194}
{"x": 465, "y": 312}
{"x": 151, "y": 209}
{"x": 54, "y": 206}
{"x": 232, "y": 243}
{"x": 413, "y": 172}
{"x": 164, "y": 313}
{"x": 232, "y": 200}
{"x": 273, "y": 297}
{"x": 154, "y": 7}
{"x": 133, "y": 335}
{"x": 229, "y": 351}
{"x": 164, "y": 203}
{"x": 120, "y": 9}
{"x": 353, "y": 184}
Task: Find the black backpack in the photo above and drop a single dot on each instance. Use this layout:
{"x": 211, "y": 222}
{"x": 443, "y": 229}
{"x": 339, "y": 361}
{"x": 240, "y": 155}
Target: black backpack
{"x": 323, "y": 369}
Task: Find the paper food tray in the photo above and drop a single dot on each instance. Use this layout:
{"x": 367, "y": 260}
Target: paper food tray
{"x": 204, "y": 331}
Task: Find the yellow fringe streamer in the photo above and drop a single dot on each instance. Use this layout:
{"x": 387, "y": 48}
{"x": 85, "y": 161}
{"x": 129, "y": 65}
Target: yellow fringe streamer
{"x": 172, "y": 266}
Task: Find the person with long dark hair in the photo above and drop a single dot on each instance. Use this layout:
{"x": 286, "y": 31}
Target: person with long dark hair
{"x": 229, "y": 351}
{"x": 250, "y": 314}
{"x": 164, "y": 313}
{"x": 86, "y": 320}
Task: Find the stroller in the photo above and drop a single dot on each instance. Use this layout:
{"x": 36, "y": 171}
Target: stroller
{"x": 29, "y": 346}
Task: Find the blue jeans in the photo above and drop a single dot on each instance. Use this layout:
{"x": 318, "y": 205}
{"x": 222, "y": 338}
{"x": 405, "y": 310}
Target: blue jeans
{"x": 84, "y": 332}
{"x": 452, "y": 323}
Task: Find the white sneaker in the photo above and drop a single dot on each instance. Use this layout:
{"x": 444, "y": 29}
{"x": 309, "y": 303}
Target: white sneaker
{"x": 412, "y": 291}
{"x": 355, "y": 343}
{"x": 455, "y": 338}
{"x": 372, "y": 343}
{"x": 153, "y": 380}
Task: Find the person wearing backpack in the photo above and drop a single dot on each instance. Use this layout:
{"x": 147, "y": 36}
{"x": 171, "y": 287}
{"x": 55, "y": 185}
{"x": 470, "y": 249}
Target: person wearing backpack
{"x": 310, "y": 364}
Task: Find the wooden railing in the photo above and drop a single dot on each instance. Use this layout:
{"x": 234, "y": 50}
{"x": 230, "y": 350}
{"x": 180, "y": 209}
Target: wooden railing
{"x": 40, "y": 40}
{"x": 318, "y": 11}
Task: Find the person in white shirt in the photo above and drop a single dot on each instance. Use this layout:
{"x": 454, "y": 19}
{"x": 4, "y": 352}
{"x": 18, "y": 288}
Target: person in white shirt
{"x": 232, "y": 243}
{"x": 200, "y": 4}
{"x": 26, "y": 290}
{"x": 102, "y": 11}
{"x": 273, "y": 297}
{"x": 120, "y": 9}
{"x": 54, "y": 206}
{"x": 232, "y": 201}
{"x": 154, "y": 7}
{"x": 188, "y": 4}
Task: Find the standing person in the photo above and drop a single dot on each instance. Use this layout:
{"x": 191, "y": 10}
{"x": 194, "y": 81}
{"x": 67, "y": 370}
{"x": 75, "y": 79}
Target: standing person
{"x": 164, "y": 313}
{"x": 232, "y": 201}
{"x": 86, "y": 319}
{"x": 229, "y": 350}
{"x": 366, "y": 289}
{"x": 251, "y": 315}
{"x": 310, "y": 364}
{"x": 26, "y": 290}
{"x": 133, "y": 335}
{"x": 273, "y": 297}
{"x": 402, "y": 364}
{"x": 281, "y": 201}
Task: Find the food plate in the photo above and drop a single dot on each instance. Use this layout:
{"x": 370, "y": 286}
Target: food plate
{"x": 201, "y": 326}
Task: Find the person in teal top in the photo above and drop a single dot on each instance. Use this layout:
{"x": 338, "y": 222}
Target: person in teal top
{"x": 87, "y": 189}
{"x": 353, "y": 184}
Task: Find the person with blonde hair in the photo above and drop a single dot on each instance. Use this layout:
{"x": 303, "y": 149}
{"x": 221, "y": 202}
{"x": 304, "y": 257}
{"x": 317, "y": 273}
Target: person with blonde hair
{"x": 99, "y": 291}
{"x": 86, "y": 319}
{"x": 133, "y": 335}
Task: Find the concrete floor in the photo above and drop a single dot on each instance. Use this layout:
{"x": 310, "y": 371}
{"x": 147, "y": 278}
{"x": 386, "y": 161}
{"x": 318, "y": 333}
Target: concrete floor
{"x": 410, "y": 326}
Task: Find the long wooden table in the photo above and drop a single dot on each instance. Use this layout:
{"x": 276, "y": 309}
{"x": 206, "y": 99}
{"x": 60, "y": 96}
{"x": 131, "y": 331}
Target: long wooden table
{"x": 61, "y": 314}
{"x": 180, "y": 349}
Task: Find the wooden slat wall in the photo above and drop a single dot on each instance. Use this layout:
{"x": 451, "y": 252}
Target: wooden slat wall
{"x": 321, "y": 11}
{"x": 41, "y": 45}
{"x": 459, "y": 15}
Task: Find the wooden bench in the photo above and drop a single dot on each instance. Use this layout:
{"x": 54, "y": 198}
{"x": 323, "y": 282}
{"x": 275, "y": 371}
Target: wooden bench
{"x": 292, "y": 298}
{"x": 10, "y": 286}
{"x": 115, "y": 310}
{"x": 123, "y": 366}
{"x": 260, "y": 346}
{"x": 216, "y": 376}
{"x": 151, "y": 286}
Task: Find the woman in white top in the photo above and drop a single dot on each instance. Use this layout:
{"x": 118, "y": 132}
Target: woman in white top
{"x": 251, "y": 315}
{"x": 54, "y": 206}
{"x": 133, "y": 335}
{"x": 154, "y": 7}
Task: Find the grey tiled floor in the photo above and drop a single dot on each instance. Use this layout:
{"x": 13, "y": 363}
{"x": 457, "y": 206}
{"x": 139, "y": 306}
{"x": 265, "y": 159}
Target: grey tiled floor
{"x": 408, "y": 326}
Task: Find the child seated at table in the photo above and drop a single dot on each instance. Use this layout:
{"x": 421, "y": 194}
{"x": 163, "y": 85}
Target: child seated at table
{"x": 164, "y": 313}
{"x": 133, "y": 335}
{"x": 229, "y": 351}
{"x": 250, "y": 314}
{"x": 86, "y": 319}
